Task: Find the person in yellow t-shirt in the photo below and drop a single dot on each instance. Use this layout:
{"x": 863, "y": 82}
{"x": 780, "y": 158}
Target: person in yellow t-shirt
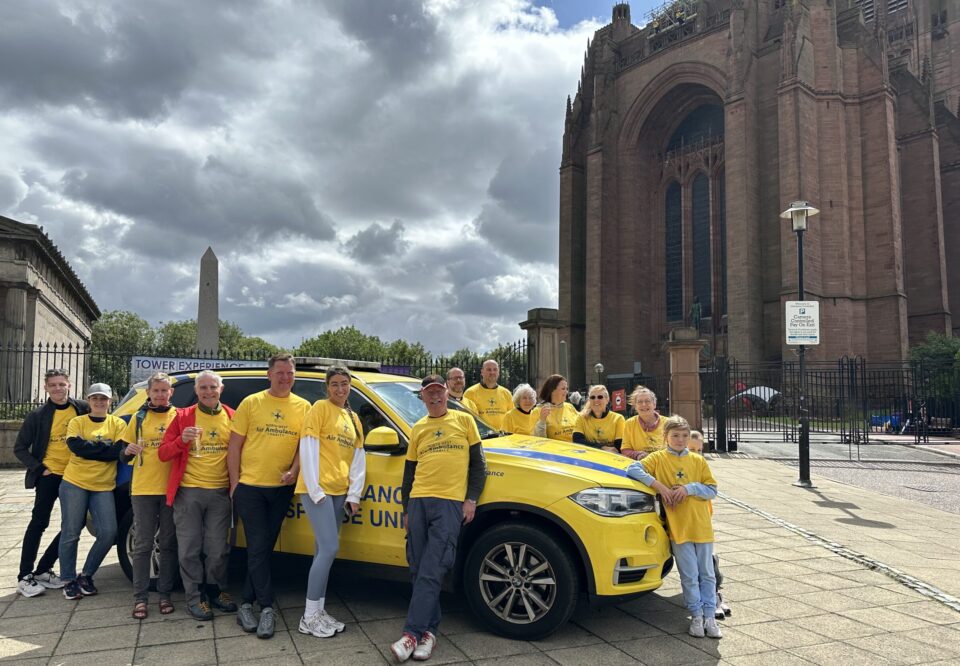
{"x": 443, "y": 478}
{"x": 686, "y": 485}
{"x": 88, "y": 482}
{"x": 643, "y": 433}
{"x": 492, "y": 400}
{"x": 263, "y": 464}
{"x": 597, "y": 425}
{"x": 148, "y": 490}
{"x": 557, "y": 418}
{"x": 41, "y": 447}
{"x": 333, "y": 469}
{"x": 456, "y": 383}
{"x": 198, "y": 490}
{"x": 522, "y": 419}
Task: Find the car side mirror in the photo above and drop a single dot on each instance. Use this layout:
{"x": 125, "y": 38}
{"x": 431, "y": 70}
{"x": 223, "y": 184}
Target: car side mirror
{"x": 382, "y": 439}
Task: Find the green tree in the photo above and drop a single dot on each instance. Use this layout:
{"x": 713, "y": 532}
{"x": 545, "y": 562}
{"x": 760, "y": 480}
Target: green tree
{"x": 177, "y": 338}
{"x": 938, "y": 348}
{"x": 116, "y": 337}
{"x": 346, "y": 342}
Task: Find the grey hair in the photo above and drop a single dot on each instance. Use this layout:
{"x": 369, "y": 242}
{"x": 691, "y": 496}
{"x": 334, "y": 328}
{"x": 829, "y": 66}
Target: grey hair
{"x": 211, "y": 374}
{"x": 520, "y": 391}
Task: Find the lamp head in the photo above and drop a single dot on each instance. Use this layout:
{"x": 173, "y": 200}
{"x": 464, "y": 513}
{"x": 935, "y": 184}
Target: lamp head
{"x": 798, "y": 212}
{"x": 598, "y": 368}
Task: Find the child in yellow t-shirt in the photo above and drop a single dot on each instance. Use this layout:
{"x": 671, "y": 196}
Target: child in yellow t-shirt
{"x": 686, "y": 485}
{"x": 695, "y": 445}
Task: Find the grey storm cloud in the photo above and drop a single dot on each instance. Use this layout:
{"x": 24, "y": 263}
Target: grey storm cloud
{"x": 377, "y": 242}
{"x": 286, "y": 134}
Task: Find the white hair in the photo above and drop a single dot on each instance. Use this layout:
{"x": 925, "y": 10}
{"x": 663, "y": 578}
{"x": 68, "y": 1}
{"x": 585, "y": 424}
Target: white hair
{"x": 211, "y": 374}
{"x": 521, "y": 391}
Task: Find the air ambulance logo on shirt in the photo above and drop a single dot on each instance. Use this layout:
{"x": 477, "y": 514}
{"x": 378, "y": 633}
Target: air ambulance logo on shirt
{"x": 599, "y": 432}
{"x": 493, "y": 403}
{"x": 212, "y": 434}
{"x": 162, "y": 429}
{"x": 680, "y": 475}
{"x": 346, "y": 429}
{"x": 277, "y": 415}
{"x": 438, "y": 434}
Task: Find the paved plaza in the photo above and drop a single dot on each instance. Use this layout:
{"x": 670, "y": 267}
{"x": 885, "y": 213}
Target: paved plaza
{"x": 833, "y": 575}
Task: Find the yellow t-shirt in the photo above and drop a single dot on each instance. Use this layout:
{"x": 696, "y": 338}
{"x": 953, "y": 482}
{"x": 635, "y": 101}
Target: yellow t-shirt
{"x": 638, "y": 439}
{"x": 339, "y": 439}
{"x": 93, "y": 475}
{"x": 561, "y": 421}
{"x": 272, "y": 428}
{"x": 519, "y": 423}
{"x": 209, "y": 468}
{"x": 466, "y": 402}
{"x": 600, "y": 432}
{"x": 150, "y": 474}
{"x": 492, "y": 404}
{"x": 441, "y": 448}
{"x": 58, "y": 453}
{"x": 689, "y": 521}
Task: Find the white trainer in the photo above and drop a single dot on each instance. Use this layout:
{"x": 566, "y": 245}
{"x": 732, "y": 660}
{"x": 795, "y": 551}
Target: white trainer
{"x": 711, "y": 628}
{"x": 404, "y": 647}
{"x": 425, "y": 647}
{"x": 29, "y": 587}
{"x": 696, "y": 626}
{"x": 315, "y": 626}
{"x": 331, "y": 622}
{"x": 49, "y": 580}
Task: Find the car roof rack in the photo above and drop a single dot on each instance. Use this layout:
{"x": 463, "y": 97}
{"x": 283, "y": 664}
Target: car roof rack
{"x": 321, "y": 363}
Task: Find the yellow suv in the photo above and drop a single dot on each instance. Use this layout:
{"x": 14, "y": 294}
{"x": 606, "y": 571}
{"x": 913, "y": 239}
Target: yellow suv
{"x": 555, "y": 520}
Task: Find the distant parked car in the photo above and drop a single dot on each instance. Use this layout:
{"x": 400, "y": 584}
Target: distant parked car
{"x": 758, "y": 400}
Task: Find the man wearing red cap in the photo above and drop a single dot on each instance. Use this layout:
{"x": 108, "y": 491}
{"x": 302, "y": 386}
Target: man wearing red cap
{"x": 443, "y": 477}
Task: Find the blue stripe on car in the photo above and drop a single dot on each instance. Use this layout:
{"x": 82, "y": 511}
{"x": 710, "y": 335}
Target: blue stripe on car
{"x": 556, "y": 457}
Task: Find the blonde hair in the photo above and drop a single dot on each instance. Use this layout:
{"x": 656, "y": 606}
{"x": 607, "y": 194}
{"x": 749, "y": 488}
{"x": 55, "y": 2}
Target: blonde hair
{"x": 587, "y": 407}
{"x": 159, "y": 377}
{"x": 696, "y": 434}
{"x": 675, "y": 423}
{"x": 640, "y": 390}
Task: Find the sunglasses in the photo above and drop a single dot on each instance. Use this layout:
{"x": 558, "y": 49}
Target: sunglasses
{"x": 597, "y": 397}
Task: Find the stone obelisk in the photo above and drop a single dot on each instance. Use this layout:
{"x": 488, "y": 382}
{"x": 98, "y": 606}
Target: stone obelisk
{"x": 208, "y": 305}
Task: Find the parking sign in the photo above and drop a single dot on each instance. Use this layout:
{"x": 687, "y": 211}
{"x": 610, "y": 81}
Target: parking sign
{"x": 803, "y": 323}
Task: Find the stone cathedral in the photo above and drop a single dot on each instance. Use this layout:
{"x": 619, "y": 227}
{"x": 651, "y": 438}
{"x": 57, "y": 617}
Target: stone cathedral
{"x": 688, "y": 136}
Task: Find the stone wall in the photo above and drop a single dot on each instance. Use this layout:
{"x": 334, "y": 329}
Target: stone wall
{"x": 8, "y": 437}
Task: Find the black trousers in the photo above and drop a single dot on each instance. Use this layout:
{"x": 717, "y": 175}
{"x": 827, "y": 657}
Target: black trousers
{"x": 47, "y": 491}
{"x": 262, "y": 511}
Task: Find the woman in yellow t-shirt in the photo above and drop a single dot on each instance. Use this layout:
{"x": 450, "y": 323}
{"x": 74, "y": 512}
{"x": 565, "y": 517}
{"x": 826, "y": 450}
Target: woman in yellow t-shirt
{"x": 557, "y": 417}
{"x": 643, "y": 433}
{"x": 88, "y": 482}
{"x": 522, "y": 419}
{"x": 332, "y": 473}
{"x": 597, "y": 426}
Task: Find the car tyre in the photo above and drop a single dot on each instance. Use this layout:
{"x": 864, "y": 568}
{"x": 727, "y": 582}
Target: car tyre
{"x": 520, "y": 582}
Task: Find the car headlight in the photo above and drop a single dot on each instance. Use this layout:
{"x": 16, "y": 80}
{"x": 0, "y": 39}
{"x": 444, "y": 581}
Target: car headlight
{"x": 614, "y": 502}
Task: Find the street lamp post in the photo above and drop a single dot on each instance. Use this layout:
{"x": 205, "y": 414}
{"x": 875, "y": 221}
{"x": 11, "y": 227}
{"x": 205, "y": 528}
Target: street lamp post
{"x": 598, "y": 368}
{"x": 798, "y": 212}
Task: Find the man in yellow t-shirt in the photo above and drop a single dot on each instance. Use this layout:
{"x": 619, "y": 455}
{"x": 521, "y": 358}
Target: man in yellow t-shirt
{"x": 456, "y": 384}
{"x": 492, "y": 400}
{"x": 148, "y": 490}
{"x": 443, "y": 478}
{"x": 42, "y": 448}
{"x": 198, "y": 490}
{"x": 263, "y": 465}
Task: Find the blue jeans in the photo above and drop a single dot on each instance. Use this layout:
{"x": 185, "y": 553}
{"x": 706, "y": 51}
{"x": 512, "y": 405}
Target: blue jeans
{"x": 697, "y": 578}
{"x": 74, "y": 502}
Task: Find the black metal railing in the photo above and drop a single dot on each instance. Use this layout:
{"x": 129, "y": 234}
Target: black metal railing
{"x": 851, "y": 398}
{"x": 22, "y": 368}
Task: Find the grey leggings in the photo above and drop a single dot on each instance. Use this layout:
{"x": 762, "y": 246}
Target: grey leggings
{"x": 325, "y": 518}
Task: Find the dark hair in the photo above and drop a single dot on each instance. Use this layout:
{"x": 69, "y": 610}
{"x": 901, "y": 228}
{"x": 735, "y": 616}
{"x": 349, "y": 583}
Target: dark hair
{"x": 55, "y": 372}
{"x": 549, "y": 386}
{"x": 281, "y": 358}
{"x": 337, "y": 371}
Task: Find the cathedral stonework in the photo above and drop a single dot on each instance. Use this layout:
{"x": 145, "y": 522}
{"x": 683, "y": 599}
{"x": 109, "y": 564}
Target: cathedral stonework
{"x": 687, "y": 138}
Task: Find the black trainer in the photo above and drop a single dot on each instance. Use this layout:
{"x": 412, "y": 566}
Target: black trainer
{"x": 71, "y": 590}
{"x": 86, "y": 586}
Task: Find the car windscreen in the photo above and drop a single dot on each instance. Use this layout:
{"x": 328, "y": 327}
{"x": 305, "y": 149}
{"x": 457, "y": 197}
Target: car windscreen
{"x": 404, "y": 399}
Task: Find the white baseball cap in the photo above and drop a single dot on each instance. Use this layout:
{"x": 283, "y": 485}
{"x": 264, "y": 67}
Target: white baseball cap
{"x": 100, "y": 389}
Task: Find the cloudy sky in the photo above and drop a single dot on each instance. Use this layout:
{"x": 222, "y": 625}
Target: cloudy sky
{"x": 390, "y": 164}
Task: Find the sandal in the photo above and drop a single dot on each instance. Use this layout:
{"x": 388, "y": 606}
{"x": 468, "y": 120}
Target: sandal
{"x": 140, "y": 610}
{"x": 166, "y": 607}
